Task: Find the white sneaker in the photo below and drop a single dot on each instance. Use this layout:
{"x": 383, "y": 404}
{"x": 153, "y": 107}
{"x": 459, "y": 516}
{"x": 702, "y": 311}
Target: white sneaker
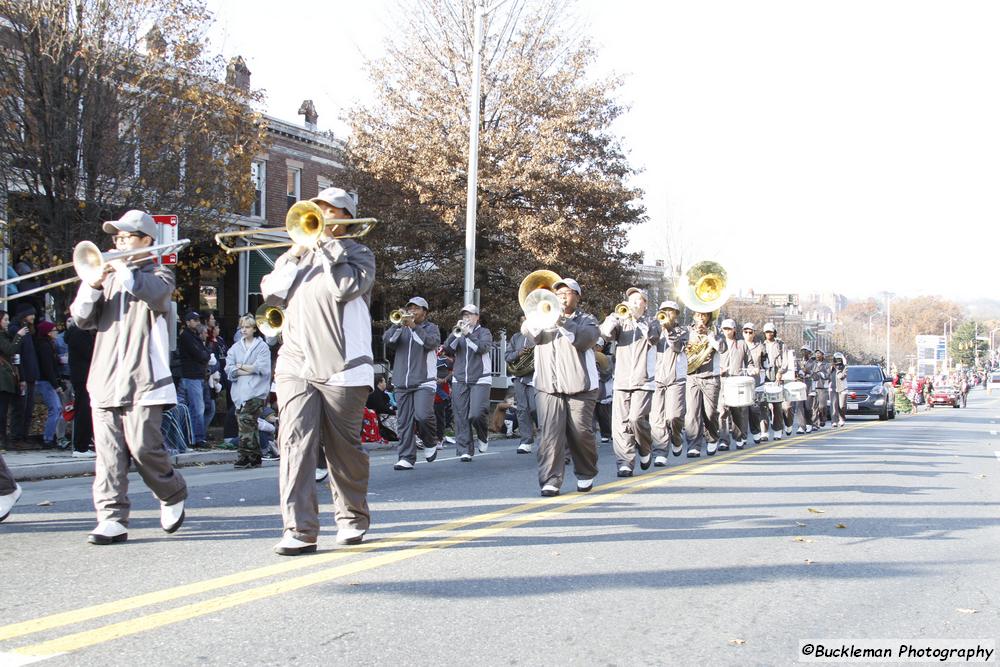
{"x": 550, "y": 490}
{"x": 524, "y": 449}
{"x": 645, "y": 461}
{"x": 321, "y": 474}
{"x": 350, "y": 536}
{"x": 756, "y": 440}
{"x": 584, "y": 485}
{"x": 711, "y": 448}
{"x": 465, "y": 458}
{"x": 788, "y": 430}
{"x": 403, "y": 464}
{"x": 171, "y": 516}
{"x": 660, "y": 461}
{"x": 430, "y": 454}
{"x": 605, "y": 440}
{"x": 482, "y": 446}
{"x": 800, "y": 430}
{"x": 809, "y": 429}
{"x": 289, "y": 546}
{"x": 84, "y": 455}
{"x": 843, "y": 423}
{"x": 624, "y": 471}
{"x": 740, "y": 444}
{"x": 450, "y": 440}
{"x": 108, "y": 532}
{"x": 8, "y": 501}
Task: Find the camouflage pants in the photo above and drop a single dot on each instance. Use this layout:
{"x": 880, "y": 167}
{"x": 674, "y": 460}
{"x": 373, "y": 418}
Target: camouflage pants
{"x": 246, "y": 419}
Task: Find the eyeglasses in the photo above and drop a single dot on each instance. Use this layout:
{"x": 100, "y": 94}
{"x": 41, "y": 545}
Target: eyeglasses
{"x": 748, "y": 331}
{"x": 125, "y": 237}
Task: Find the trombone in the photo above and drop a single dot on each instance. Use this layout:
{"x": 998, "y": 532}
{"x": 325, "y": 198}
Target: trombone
{"x": 89, "y": 261}
{"x": 304, "y": 223}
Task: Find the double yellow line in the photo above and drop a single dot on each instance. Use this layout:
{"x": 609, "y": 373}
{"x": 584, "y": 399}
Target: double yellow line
{"x": 411, "y": 545}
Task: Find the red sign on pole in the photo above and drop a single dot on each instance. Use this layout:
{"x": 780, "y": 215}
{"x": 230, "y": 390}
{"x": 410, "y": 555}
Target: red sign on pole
{"x": 166, "y": 233}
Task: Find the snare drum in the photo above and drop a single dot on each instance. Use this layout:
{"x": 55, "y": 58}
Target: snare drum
{"x": 773, "y": 393}
{"x": 795, "y": 391}
{"x": 738, "y": 391}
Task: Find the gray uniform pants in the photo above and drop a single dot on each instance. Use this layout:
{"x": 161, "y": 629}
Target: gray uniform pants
{"x": 527, "y": 411}
{"x": 702, "y": 409}
{"x": 471, "y": 403}
{"x": 667, "y": 416}
{"x": 124, "y": 433}
{"x": 777, "y": 412}
{"x": 415, "y": 405}
{"x": 839, "y": 406}
{"x": 804, "y": 411}
{"x": 316, "y": 417}
{"x": 820, "y": 407}
{"x": 735, "y": 421}
{"x": 7, "y": 483}
{"x": 630, "y": 424}
{"x": 566, "y": 420}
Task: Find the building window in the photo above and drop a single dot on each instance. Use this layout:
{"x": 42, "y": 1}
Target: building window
{"x": 294, "y": 185}
{"x": 258, "y": 172}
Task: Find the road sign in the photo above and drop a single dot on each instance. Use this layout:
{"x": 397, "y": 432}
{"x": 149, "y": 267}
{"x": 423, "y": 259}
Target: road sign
{"x": 166, "y": 232}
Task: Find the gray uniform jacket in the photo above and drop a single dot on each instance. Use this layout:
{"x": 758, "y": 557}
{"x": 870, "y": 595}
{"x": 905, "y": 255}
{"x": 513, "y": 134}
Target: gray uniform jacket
{"x": 131, "y": 362}
{"x": 472, "y": 356}
{"x": 758, "y": 360}
{"x": 415, "y": 361}
{"x": 671, "y": 360}
{"x": 712, "y": 366}
{"x": 326, "y": 336}
{"x": 821, "y": 374}
{"x": 839, "y": 379}
{"x": 635, "y": 352}
{"x": 517, "y": 344}
{"x": 735, "y": 358}
{"x": 805, "y": 373}
{"x": 774, "y": 351}
{"x": 564, "y": 356}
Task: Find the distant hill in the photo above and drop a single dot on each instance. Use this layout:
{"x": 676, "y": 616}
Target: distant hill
{"x": 983, "y": 309}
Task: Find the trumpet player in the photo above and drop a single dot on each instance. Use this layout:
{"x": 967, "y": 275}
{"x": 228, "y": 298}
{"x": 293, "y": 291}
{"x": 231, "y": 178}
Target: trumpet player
{"x": 566, "y": 383}
{"x": 130, "y": 382}
{"x": 703, "y": 385}
{"x": 735, "y": 362}
{"x": 414, "y": 341}
{"x": 635, "y": 336}
{"x": 471, "y": 344}
{"x": 323, "y": 376}
{"x": 670, "y": 377}
{"x": 518, "y": 353}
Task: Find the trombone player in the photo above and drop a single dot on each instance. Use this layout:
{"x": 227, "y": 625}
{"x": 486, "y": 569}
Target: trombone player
{"x": 130, "y": 382}
{"x": 324, "y": 372}
{"x": 636, "y": 336}
{"x": 471, "y": 343}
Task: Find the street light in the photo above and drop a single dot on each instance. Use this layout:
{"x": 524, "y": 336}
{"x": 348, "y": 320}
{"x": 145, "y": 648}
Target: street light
{"x": 888, "y": 330}
{"x": 472, "y": 196}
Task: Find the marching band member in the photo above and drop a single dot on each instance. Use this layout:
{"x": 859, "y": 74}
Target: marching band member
{"x": 804, "y": 373}
{"x": 471, "y": 344}
{"x": 759, "y": 418}
{"x": 524, "y": 389}
{"x": 635, "y": 336}
{"x": 323, "y": 375}
{"x": 774, "y": 351}
{"x": 130, "y": 381}
{"x": 838, "y": 394}
{"x": 703, "y": 385}
{"x": 735, "y": 360}
{"x": 821, "y": 380}
{"x": 566, "y": 382}
{"x": 668, "y": 412}
{"x": 414, "y": 377}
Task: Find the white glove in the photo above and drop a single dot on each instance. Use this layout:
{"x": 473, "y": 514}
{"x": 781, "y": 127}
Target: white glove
{"x": 212, "y": 360}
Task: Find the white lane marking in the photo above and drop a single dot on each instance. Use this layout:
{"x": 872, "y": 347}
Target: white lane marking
{"x": 998, "y": 454}
{"x": 994, "y": 432}
{"x": 16, "y": 660}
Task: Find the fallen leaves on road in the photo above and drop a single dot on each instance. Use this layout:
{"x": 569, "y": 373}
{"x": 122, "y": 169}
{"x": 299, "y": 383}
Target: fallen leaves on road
{"x": 816, "y": 511}
{"x": 801, "y": 539}
{"x": 800, "y": 524}
{"x": 967, "y": 611}
{"x": 45, "y": 503}
{"x": 737, "y": 642}
{"x": 840, "y": 525}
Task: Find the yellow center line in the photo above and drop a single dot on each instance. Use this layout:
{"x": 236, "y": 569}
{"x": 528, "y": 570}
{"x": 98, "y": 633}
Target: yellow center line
{"x": 552, "y": 507}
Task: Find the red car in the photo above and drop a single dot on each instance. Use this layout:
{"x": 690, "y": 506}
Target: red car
{"x": 945, "y": 396}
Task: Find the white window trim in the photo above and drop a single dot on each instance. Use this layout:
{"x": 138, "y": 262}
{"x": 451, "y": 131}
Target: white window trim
{"x": 262, "y": 180}
{"x": 298, "y": 183}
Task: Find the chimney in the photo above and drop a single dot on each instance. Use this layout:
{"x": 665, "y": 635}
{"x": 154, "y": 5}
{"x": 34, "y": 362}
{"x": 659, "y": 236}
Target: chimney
{"x": 308, "y": 109}
{"x": 237, "y": 74}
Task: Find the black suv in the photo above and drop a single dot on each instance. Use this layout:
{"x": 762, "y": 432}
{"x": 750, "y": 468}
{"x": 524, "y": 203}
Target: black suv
{"x": 870, "y": 392}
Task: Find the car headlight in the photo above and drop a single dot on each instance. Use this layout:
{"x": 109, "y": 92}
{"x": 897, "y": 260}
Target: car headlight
{"x": 877, "y": 390}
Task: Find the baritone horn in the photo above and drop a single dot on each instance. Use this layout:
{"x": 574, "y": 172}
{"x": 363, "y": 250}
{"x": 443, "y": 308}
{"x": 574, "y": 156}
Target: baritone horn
{"x": 704, "y": 287}
{"x": 542, "y": 308}
{"x": 88, "y": 263}
{"x": 304, "y": 224}
{"x": 270, "y": 320}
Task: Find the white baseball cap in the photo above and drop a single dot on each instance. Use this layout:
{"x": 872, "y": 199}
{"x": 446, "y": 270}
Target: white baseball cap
{"x": 338, "y": 198}
{"x": 770, "y": 327}
{"x": 728, "y": 324}
{"x": 749, "y": 325}
{"x": 133, "y": 221}
{"x": 672, "y": 305}
{"x": 470, "y": 308}
{"x": 419, "y": 301}
{"x": 570, "y": 283}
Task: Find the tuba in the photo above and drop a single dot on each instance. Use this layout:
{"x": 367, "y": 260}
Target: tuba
{"x": 704, "y": 287}
{"x": 542, "y": 308}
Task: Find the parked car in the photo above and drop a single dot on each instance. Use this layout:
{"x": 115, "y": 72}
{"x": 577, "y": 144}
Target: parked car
{"x": 870, "y": 392}
{"x": 992, "y": 382}
{"x": 945, "y": 395}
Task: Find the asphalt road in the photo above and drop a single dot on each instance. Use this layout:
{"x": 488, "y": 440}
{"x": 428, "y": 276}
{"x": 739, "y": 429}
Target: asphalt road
{"x": 876, "y": 530}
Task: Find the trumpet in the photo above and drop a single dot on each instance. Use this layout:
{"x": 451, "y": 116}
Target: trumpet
{"x": 459, "y": 329}
{"x": 397, "y": 316}
{"x": 89, "y": 261}
{"x": 270, "y": 320}
{"x": 623, "y": 310}
{"x": 304, "y": 224}
{"x": 542, "y": 308}
{"x": 662, "y": 316}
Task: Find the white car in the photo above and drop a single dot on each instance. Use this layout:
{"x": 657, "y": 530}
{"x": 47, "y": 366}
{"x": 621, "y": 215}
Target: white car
{"x": 992, "y": 382}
